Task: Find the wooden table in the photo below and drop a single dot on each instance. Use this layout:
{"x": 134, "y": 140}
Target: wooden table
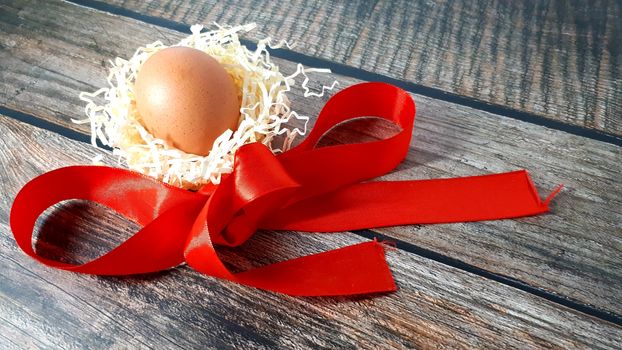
{"x": 499, "y": 86}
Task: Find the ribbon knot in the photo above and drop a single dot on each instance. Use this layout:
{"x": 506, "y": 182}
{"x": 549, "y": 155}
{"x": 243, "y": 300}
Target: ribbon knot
{"x": 306, "y": 189}
{"x": 258, "y": 186}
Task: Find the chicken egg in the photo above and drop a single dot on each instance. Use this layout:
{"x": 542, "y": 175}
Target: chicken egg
{"x": 185, "y": 97}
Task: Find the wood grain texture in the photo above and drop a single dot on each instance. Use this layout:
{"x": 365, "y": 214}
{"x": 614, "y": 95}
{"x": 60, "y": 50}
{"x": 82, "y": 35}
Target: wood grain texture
{"x": 436, "y": 306}
{"x": 575, "y": 251}
{"x": 558, "y": 59}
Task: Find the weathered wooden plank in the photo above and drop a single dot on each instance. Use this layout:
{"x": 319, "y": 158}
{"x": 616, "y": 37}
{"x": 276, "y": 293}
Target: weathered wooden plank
{"x": 436, "y": 305}
{"x": 574, "y": 252}
{"x": 557, "y": 59}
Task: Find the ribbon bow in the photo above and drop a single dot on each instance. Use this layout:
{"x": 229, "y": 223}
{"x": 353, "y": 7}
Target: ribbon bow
{"x": 305, "y": 189}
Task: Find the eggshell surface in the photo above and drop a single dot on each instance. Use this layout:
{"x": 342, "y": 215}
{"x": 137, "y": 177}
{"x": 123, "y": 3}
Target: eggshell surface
{"x": 185, "y": 97}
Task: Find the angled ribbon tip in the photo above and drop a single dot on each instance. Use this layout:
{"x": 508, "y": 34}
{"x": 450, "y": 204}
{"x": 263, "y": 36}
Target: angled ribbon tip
{"x": 553, "y": 194}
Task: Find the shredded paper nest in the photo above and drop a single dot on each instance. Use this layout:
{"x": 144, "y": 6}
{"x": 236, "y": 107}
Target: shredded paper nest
{"x": 265, "y": 109}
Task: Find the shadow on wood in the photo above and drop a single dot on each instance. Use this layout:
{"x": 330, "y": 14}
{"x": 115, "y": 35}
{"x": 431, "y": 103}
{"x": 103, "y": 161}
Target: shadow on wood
{"x": 77, "y": 231}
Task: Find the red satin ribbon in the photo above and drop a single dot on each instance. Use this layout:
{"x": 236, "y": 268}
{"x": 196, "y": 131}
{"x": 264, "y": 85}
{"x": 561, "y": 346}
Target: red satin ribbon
{"x": 304, "y": 189}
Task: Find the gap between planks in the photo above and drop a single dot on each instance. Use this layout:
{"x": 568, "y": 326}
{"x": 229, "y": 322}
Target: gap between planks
{"x": 361, "y": 74}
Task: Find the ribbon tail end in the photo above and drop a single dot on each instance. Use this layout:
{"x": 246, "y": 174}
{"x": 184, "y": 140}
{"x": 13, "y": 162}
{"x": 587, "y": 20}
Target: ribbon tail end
{"x": 358, "y": 269}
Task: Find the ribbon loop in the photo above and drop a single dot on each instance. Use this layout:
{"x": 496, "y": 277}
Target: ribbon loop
{"x": 373, "y": 99}
{"x": 326, "y": 169}
{"x": 135, "y": 196}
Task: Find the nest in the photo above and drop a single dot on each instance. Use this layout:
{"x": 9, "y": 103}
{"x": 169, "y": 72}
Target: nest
{"x": 264, "y": 113}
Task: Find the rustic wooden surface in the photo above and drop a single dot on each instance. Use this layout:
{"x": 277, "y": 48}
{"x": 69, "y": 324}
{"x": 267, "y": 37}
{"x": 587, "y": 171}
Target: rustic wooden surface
{"x": 557, "y": 59}
{"x": 574, "y": 252}
{"x": 436, "y": 305}
{"x": 49, "y": 54}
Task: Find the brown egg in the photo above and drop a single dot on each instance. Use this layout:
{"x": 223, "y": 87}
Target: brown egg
{"x": 184, "y": 96}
